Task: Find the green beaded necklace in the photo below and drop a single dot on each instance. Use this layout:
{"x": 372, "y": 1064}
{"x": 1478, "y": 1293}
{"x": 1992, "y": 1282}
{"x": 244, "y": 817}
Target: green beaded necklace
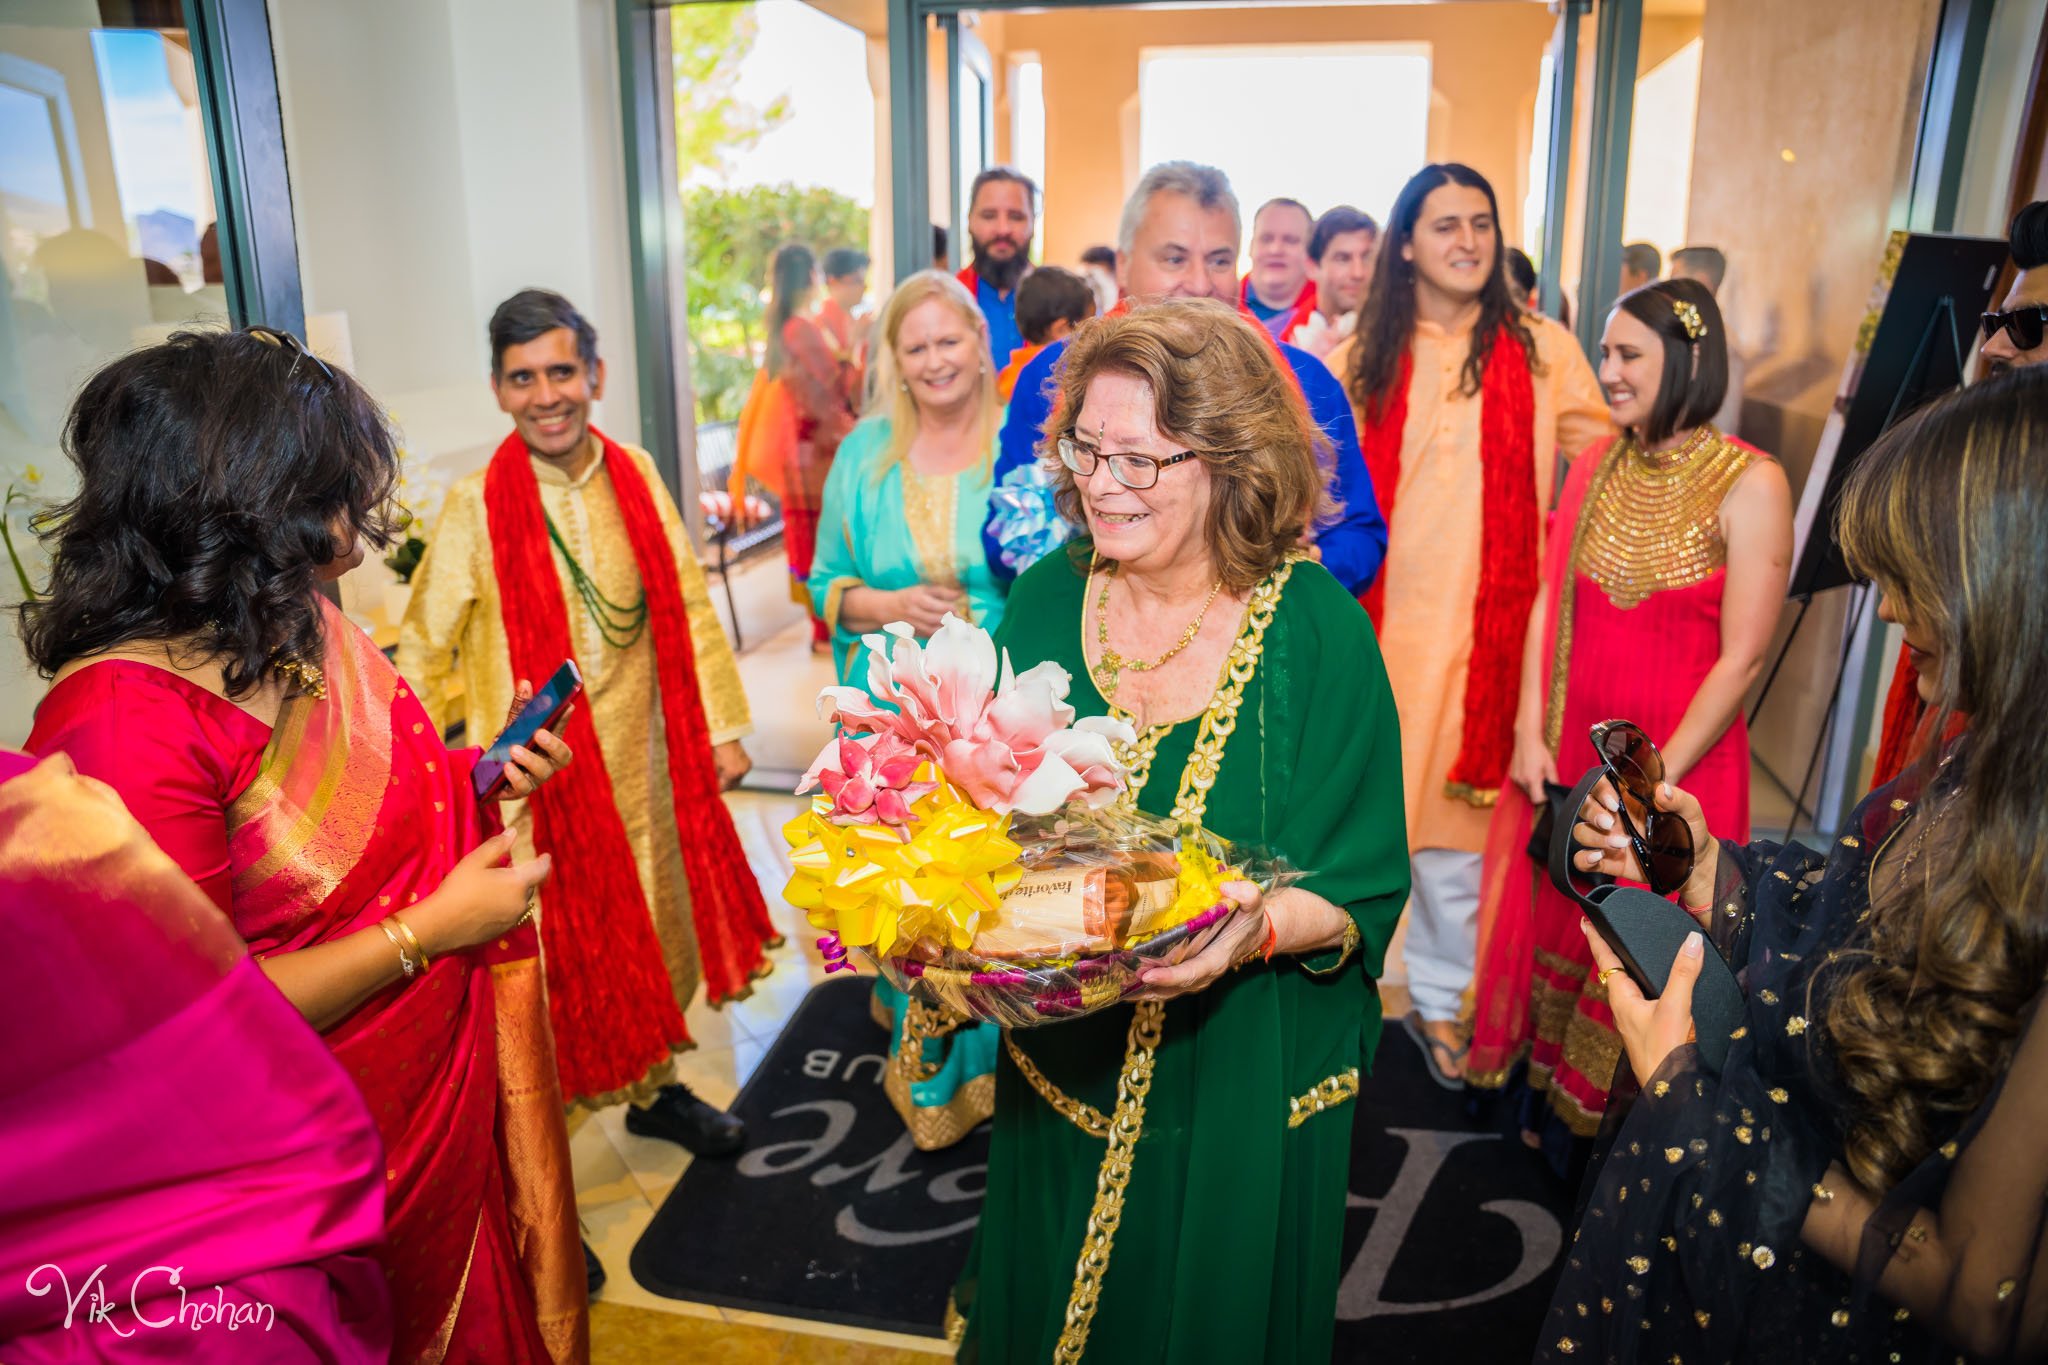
{"x": 621, "y": 626}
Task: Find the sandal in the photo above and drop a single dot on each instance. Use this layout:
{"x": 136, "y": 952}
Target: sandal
{"x": 1432, "y": 1048}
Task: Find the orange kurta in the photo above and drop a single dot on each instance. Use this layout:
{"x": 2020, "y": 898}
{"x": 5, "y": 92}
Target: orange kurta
{"x": 1432, "y": 567}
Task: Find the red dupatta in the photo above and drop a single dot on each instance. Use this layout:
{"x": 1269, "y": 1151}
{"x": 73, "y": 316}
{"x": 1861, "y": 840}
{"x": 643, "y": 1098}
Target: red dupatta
{"x": 1303, "y": 309}
{"x": 1507, "y": 550}
{"x": 358, "y": 811}
{"x": 613, "y": 1005}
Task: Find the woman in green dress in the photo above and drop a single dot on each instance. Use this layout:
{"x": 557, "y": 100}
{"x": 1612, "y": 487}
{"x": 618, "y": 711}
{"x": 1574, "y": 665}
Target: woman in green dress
{"x": 1167, "y": 1180}
{"x": 899, "y": 539}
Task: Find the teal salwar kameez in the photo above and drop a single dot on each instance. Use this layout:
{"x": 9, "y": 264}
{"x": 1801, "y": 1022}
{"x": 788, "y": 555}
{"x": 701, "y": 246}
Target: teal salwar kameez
{"x": 1229, "y": 1239}
{"x": 891, "y": 528}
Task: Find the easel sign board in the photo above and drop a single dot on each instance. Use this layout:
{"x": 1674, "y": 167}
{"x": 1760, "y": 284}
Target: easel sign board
{"x": 1923, "y": 317}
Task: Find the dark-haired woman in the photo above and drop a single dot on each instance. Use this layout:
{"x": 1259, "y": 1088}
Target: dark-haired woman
{"x": 1865, "y": 1178}
{"x": 1663, "y": 575}
{"x": 266, "y": 745}
{"x": 804, "y": 401}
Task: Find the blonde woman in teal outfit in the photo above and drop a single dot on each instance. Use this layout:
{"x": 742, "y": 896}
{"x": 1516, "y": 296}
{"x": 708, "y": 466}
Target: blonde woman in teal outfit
{"x": 899, "y": 539}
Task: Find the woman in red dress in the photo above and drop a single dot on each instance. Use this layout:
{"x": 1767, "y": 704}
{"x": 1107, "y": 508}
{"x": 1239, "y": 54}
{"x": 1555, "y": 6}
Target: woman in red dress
{"x": 803, "y": 403}
{"x": 1664, "y": 568}
{"x": 267, "y": 746}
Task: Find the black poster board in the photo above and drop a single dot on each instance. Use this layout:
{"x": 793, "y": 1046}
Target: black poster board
{"x": 1911, "y": 348}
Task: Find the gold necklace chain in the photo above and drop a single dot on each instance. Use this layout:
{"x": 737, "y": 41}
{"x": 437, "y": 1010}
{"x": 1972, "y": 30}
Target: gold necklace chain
{"x": 1122, "y": 1129}
{"x": 1112, "y": 663}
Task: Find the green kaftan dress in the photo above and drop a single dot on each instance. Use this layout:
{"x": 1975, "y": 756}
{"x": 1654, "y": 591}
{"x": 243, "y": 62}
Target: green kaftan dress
{"x": 1230, "y": 1238}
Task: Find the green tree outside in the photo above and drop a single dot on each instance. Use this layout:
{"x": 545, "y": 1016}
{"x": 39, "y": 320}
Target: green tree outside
{"x": 731, "y": 234}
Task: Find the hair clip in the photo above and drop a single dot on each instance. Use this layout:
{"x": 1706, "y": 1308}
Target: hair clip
{"x": 1689, "y": 315}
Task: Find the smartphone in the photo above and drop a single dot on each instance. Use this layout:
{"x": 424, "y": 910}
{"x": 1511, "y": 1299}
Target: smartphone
{"x": 540, "y": 713}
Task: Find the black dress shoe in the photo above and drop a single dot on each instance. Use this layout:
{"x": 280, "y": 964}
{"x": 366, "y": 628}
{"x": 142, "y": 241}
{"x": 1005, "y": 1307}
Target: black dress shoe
{"x": 682, "y": 1118}
{"x": 593, "y": 1270}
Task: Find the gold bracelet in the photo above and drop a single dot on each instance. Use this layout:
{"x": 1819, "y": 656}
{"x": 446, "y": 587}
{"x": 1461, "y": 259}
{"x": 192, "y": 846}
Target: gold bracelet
{"x": 414, "y": 940}
{"x": 405, "y": 962}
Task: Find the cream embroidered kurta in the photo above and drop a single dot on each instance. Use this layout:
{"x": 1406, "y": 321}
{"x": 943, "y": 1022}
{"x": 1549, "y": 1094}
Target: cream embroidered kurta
{"x": 1432, "y": 567}
{"x": 455, "y": 624}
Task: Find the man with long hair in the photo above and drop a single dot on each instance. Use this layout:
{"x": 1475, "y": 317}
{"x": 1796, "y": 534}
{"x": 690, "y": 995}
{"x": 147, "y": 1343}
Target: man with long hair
{"x": 567, "y": 545}
{"x": 1002, "y": 214}
{"x": 1178, "y": 239}
{"x": 1465, "y": 401}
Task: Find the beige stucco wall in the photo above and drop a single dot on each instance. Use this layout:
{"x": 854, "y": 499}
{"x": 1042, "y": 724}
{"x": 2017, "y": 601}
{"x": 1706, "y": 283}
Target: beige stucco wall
{"x": 1485, "y": 57}
{"x": 1804, "y": 146}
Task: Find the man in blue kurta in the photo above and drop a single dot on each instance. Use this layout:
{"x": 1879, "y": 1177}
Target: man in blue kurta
{"x": 1178, "y": 239}
{"x": 1002, "y": 213}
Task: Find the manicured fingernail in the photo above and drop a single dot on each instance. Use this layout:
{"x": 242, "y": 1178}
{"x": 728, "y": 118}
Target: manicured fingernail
{"x": 1607, "y": 822}
{"x": 1694, "y": 944}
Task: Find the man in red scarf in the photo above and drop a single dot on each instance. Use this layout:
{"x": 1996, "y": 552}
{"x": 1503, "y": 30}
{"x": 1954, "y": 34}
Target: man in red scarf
{"x": 568, "y": 546}
{"x": 1465, "y": 403}
{"x": 1278, "y": 292}
{"x": 1002, "y": 213}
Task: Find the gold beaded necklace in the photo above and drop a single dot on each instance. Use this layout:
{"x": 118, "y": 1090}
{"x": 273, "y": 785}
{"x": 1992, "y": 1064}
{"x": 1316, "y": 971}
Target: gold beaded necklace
{"x": 1112, "y": 664}
{"x": 1650, "y": 521}
{"x": 1654, "y": 521}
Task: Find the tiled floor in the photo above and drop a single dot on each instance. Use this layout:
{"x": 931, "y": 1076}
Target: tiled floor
{"x": 621, "y": 1179}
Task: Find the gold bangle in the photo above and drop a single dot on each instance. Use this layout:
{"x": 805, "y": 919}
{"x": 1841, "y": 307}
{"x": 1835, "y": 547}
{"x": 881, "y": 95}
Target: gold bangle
{"x": 405, "y": 962}
{"x": 413, "y": 940}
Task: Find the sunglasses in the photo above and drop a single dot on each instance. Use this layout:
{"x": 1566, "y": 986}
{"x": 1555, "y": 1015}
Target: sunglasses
{"x": 285, "y": 341}
{"x": 1662, "y": 840}
{"x": 2025, "y": 326}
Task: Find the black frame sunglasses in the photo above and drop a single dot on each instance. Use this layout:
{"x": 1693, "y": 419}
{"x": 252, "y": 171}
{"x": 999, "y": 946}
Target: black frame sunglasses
{"x": 2025, "y": 326}
{"x": 285, "y": 341}
{"x": 1661, "y": 839}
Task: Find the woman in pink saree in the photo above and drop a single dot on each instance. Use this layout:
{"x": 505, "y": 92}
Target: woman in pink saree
{"x": 268, "y": 747}
{"x": 125, "y": 975}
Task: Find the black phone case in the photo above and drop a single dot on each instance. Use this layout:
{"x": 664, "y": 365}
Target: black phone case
{"x": 1646, "y": 931}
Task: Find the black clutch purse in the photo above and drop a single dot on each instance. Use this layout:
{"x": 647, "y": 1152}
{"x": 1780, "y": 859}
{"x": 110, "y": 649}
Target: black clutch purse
{"x": 1646, "y": 931}
{"x": 1554, "y": 793}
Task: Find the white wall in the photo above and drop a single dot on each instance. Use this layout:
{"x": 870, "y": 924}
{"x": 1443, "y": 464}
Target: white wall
{"x": 445, "y": 154}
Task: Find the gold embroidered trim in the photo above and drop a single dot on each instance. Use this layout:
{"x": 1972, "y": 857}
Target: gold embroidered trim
{"x": 1121, "y": 1130}
{"x": 956, "y": 1325}
{"x": 932, "y": 1126}
{"x": 929, "y": 505}
{"x": 1328, "y": 1093}
{"x": 1082, "y": 1115}
{"x": 1111, "y": 1180}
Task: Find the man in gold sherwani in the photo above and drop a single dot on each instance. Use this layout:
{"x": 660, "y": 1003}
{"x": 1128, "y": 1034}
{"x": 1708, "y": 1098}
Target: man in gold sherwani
{"x": 569, "y": 545}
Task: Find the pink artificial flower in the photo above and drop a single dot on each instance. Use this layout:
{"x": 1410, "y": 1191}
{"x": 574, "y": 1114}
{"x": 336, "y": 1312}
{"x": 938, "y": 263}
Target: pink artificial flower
{"x": 1010, "y": 743}
{"x": 871, "y": 779}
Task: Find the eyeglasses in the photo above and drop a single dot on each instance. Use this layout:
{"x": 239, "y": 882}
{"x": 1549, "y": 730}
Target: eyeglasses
{"x": 1135, "y": 472}
{"x": 1662, "y": 840}
{"x": 285, "y": 341}
{"x": 2026, "y": 326}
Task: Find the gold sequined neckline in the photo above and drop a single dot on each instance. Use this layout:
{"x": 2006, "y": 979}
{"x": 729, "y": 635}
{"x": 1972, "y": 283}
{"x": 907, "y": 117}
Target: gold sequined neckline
{"x": 1653, "y": 518}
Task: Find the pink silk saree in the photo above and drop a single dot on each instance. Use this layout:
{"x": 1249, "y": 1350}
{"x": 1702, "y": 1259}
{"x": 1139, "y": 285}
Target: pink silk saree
{"x": 356, "y": 809}
{"x": 189, "y": 1173}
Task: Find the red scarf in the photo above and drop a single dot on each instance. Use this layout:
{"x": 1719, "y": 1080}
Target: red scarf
{"x": 1508, "y": 549}
{"x": 609, "y": 995}
{"x": 1304, "y": 307}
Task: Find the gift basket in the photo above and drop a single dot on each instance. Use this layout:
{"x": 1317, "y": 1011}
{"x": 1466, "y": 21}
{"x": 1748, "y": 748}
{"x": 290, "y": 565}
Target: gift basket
{"x": 979, "y": 846}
